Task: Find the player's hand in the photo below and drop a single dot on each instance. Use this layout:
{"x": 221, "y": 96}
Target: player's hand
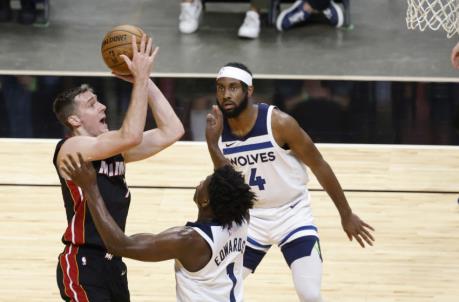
{"x": 142, "y": 58}
{"x": 80, "y": 172}
{"x": 455, "y": 56}
{"x": 358, "y": 229}
{"x": 214, "y": 125}
{"x": 127, "y": 78}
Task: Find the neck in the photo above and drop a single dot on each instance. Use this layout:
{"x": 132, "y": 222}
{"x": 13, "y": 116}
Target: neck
{"x": 205, "y": 216}
{"x": 80, "y": 131}
{"x": 242, "y": 124}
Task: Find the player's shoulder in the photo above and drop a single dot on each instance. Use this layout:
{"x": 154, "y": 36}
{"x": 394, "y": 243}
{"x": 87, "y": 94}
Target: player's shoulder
{"x": 190, "y": 240}
{"x": 186, "y": 234}
{"x": 282, "y": 120}
{"x": 75, "y": 143}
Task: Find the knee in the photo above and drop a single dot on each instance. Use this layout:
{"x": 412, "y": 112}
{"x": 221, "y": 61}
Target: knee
{"x": 309, "y": 294}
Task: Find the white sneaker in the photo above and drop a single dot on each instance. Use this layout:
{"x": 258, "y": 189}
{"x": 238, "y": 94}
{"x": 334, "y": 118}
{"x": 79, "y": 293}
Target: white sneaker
{"x": 250, "y": 28}
{"x": 189, "y": 16}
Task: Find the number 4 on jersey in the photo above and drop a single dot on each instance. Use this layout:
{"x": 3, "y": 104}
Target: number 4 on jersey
{"x": 256, "y": 180}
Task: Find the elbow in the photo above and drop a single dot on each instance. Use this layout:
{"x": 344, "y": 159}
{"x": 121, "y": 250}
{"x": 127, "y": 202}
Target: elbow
{"x": 118, "y": 249}
{"x": 136, "y": 139}
{"x": 179, "y": 132}
{"x": 174, "y": 133}
{"x": 132, "y": 139}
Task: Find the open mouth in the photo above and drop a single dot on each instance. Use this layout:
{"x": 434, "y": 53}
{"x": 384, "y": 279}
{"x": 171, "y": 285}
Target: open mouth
{"x": 229, "y": 105}
{"x": 103, "y": 121}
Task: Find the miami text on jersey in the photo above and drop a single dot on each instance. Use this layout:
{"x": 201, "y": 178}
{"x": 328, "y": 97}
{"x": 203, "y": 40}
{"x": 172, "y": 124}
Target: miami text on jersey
{"x": 112, "y": 169}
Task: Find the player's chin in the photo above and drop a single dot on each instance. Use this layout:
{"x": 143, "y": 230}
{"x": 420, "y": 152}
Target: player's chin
{"x": 104, "y": 128}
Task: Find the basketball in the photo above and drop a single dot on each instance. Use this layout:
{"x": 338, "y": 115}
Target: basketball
{"x": 117, "y": 42}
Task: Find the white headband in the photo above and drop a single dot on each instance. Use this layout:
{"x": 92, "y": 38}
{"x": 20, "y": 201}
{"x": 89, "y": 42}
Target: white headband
{"x": 235, "y": 73}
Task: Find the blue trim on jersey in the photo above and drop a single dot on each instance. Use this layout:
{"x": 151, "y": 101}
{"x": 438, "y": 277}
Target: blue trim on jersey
{"x": 205, "y": 227}
{"x": 230, "y": 272}
{"x": 250, "y": 147}
{"x": 252, "y": 241}
{"x": 299, "y": 248}
{"x": 252, "y": 257}
{"x": 306, "y": 227}
{"x": 258, "y": 129}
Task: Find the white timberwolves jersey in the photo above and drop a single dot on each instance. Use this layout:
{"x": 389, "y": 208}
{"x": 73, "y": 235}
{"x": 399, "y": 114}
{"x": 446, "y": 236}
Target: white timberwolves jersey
{"x": 274, "y": 174}
{"x": 221, "y": 278}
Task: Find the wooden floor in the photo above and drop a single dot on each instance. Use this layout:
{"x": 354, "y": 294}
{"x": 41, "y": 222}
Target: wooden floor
{"x": 415, "y": 258}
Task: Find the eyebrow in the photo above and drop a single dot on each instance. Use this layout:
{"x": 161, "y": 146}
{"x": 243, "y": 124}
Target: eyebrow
{"x": 232, "y": 83}
{"x": 93, "y": 97}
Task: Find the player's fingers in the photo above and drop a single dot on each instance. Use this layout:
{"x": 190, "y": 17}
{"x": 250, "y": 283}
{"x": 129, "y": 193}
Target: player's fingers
{"x": 359, "y": 240}
{"x": 80, "y": 158}
{"x": 349, "y": 235}
{"x": 154, "y": 53}
{"x": 219, "y": 113}
{"x": 367, "y": 239}
{"x": 65, "y": 171}
{"x": 149, "y": 46}
{"x": 73, "y": 161}
{"x": 127, "y": 60}
{"x": 367, "y": 226}
{"x": 367, "y": 233}
{"x": 82, "y": 162}
{"x": 210, "y": 119}
{"x": 215, "y": 110}
{"x": 135, "y": 49}
{"x": 67, "y": 165}
{"x": 143, "y": 41}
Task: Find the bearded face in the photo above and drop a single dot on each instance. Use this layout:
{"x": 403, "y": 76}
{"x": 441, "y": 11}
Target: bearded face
{"x": 232, "y": 98}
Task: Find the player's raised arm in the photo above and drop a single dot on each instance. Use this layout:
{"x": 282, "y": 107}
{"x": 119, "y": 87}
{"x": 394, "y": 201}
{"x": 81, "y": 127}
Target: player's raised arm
{"x": 86, "y": 116}
{"x": 214, "y": 128}
{"x": 169, "y": 127}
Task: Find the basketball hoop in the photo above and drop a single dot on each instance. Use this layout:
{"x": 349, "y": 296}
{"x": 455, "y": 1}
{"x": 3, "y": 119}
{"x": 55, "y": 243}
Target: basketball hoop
{"x": 434, "y": 14}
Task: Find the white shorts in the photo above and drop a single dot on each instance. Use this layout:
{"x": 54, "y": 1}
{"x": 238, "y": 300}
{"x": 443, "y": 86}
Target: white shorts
{"x": 290, "y": 227}
{"x": 280, "y": 225}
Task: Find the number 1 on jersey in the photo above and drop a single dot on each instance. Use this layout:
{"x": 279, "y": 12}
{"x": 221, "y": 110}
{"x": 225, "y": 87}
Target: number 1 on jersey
{"x": 230, "y": 273}
{"x": 256, "y": 180}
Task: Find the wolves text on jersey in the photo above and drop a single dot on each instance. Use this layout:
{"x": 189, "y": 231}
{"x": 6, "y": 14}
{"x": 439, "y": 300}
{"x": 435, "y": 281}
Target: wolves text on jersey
{"x": 252, "y": 159}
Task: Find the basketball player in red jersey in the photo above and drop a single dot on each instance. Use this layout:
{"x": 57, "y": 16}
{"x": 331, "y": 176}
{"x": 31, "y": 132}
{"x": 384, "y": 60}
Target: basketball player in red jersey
{"x": 86, "y": 271}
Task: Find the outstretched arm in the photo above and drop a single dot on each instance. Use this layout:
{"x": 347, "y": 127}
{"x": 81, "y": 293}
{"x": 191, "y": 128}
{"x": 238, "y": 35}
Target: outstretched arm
{"x": 169, "y": 127}
{"x": 287, "y": 131}
{"x": 174, "y": 243}
{"x": 214, "y": 128}
{"x": 130, "y": 133}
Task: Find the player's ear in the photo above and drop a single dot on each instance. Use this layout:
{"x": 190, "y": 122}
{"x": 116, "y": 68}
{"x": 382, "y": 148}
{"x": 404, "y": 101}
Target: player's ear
{"x": 74, "y": 121}
{"x": 204, "y": 203}
{"x": 250, "y": 90}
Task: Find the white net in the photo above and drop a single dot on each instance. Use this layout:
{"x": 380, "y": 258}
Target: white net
{"x": 434, "y": 14}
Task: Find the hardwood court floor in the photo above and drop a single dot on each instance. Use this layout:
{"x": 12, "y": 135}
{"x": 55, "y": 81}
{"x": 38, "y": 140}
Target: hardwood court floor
{"x": 415, "y": 258}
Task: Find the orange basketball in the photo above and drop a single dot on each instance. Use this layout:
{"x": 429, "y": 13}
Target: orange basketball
{"x": 117, "y": 42}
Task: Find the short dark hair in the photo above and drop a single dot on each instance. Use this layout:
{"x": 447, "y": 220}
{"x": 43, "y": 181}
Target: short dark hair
{"x": 63, "y": 105}
{"x": 243, "y": 67}
{"x": 230, "y": 198}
